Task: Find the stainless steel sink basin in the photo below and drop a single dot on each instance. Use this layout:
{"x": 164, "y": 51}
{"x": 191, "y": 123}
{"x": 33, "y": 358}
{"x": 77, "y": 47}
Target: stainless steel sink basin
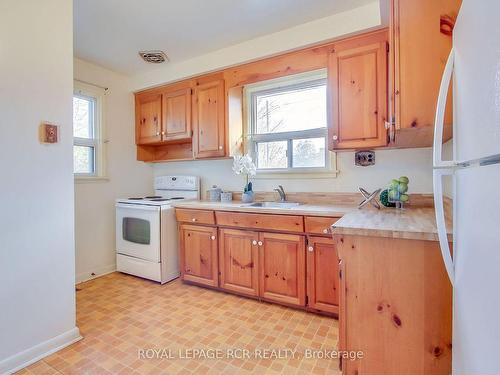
{"x": 275, "y": 204}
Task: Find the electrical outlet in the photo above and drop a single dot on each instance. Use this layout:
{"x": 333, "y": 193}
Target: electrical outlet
{"x": 364, "y": 158}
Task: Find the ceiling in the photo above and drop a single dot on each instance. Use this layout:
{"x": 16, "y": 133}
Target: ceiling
{"x": 111, "y": 32}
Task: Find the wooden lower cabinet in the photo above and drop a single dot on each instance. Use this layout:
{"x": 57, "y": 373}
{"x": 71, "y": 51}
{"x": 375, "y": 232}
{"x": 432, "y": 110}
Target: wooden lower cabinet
{"x": 282, "y": 268}
{"x": 322, "y": 274}
{"x": 238, "y": 261}
{"x": 395, "y": 306}
{"x": 198, "y": 255}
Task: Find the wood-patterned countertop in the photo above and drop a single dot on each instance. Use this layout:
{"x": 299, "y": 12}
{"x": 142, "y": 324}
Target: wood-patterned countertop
{"x": 333, "y": 210}
{"x": 411, "y": 223}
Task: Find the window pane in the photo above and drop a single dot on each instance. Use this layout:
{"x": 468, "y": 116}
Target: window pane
{"x": 83, "y": 159}
{"x": 83, "y": 117}
{"x": 272, "y": 155}
{"x": 292, "y": 110}
{"x": 309, "y": 153}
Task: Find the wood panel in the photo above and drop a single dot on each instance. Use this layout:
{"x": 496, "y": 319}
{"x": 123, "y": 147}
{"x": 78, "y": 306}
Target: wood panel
{"x": 286, "y": 223}
{"x": 198, "y": 254}
{"x": 282, "y": 268}
{"x": 358, "y": 91}
{"x": 177, "y": 114}
{"x": 195, "y": 216}
{"x": 397, "y": 307}
{"x": 319, "y": 225}
{"x": 421, "y": 31}
{"x": 208, "y": 120}
{"x": 148, "y": 118}
{"x": 239, "y": 261}
{"x": 322, "y": 274}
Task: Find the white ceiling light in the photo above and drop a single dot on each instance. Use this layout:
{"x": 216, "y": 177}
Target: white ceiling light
{"x": 154, "y": 57}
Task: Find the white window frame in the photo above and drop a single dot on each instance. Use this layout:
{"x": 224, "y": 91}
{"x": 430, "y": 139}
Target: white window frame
{"x": 97, "y": 94}
{"x": 250, "y": 93}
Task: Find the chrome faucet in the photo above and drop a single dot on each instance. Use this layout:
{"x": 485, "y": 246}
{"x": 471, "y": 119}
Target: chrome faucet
{"x": 281, "y": 192}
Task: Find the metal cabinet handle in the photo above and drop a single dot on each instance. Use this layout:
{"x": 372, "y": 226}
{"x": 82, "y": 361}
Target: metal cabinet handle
{"x": 254, "y": 242}
{"x": 193, "y": 219}
{"x": 212, "y": 238}
{"x": 220, "y": 147}
{"x": 310, "y": 248}
{"x": 325, "y": 231}
{"x": 260, "y": 243}
{"x": 335, "y": 137}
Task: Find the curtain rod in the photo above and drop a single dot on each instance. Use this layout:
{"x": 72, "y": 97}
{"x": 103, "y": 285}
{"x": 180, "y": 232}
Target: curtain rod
{"x": 92, "y": 84}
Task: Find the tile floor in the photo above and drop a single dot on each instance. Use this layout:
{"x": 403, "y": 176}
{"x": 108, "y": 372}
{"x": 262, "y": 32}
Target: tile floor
{"x": 122, "y": 316}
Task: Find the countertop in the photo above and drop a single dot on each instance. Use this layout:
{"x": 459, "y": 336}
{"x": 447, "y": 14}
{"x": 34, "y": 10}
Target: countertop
{"x": 410, "y": 223}
{"x": 302, "y": 209}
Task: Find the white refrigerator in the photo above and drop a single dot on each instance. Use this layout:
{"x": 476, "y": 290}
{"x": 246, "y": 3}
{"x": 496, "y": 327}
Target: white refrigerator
{"x": 474, "y": 69}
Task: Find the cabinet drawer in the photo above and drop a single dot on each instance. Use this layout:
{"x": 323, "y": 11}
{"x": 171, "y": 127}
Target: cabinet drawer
{"x": 319, "y": 225}
{"x": 260, "y": 221}
{"x": 195, "y": 216}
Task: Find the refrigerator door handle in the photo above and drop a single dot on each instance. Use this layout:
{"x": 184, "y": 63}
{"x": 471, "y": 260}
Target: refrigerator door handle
{"x": 440, "y": 112}
{"x": 440, "y": 221}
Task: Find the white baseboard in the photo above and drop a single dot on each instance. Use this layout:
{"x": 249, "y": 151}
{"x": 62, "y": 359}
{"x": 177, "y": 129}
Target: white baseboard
{"x": 101, "y": 271}
{"x": 37, "y": 352}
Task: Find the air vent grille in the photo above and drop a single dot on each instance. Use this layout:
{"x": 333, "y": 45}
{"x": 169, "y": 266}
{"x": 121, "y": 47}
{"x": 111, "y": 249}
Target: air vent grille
{"x": 154, "y": 57}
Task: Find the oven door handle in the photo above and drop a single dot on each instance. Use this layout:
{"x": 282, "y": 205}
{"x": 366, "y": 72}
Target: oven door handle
{"x": 138, "y": 207}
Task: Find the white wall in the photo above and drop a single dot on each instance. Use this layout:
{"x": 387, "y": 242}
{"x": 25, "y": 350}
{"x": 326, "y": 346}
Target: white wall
{"x": 414, "y": 163}
{"x": 37, "y": 264}
{"x": 328, "y": 28}
{"x": 94, "y": 201}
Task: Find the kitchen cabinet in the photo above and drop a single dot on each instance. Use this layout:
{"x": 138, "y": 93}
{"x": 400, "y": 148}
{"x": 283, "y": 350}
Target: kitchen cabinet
{"x": 282, "y": 268}
{"x": 395, "y": 306}
{"x": 176, "y": 114}
{"x": 357, "y": 75}
{"x": 421, "y": 40}
{"x": 239, "y": 261}
{"x": 148, "y": 118}
{"x": 198, "y": 254}
{"x": 322, "y": 274}
{"x": 208, "y": 120}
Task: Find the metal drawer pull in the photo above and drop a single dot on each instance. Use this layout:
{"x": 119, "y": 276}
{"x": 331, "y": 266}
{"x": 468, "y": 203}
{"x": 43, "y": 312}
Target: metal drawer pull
{"x": 310, "y": 248}
{"x": 193, "y": 219}
{"x": 325, "y": 231}
{"x": 212, "y": 238}
{"x": 260, "y": 243}
{"x": 254, "y": 242}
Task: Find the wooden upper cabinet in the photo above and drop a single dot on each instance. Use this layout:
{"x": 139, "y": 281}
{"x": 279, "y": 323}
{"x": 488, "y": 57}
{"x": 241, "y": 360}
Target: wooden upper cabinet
{"x": 148, "y": 118}
{"x": 208, "y": 120}
{"x": 282, "y": 268}
{"x": 239, "y": 261}
{"x": 357, "y": 72}
{"x": 199, "y": 254}
{"x": 176, "y": 114}
{"x": 421, "y": 37}
{"x": 322, "y": 274}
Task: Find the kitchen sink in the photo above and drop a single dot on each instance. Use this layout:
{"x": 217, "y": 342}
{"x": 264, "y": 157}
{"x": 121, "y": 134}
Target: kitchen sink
{"x": 275, "y": 204}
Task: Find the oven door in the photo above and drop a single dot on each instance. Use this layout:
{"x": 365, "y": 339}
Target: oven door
{"x": 138, "y": 231}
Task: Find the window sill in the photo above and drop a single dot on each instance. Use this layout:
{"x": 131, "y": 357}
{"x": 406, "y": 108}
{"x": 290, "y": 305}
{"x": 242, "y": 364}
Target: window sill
{"x": 89, "y": 179}
{"x": 273, "y": 175}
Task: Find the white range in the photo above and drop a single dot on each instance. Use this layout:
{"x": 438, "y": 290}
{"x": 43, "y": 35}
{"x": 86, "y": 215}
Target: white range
{"x": 146, "y": 229}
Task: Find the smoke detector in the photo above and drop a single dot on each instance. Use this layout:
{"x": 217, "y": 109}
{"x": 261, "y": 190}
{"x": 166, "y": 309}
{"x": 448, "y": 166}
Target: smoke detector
{"x": 154, "y": 57}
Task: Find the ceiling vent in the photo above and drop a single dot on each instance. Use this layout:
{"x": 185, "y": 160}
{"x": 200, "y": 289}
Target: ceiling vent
{"x": 154, "y": 57}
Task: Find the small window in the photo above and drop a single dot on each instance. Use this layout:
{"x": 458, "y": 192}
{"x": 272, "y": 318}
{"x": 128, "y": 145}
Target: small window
{"x": 287, "y": 124}
{"x": 88, "y": 142}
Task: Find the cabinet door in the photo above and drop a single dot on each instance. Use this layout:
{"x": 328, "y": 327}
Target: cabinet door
{"x": 358, "y": 92}
{"x": 148, "y": 119}
{"x": 282, "y": 268}
{"x": 177, "y": 115}
{"x": 198, "y": 255}
{"x": 322, "y": 274}
{"x": 238, "y": 261}
{"x": 208, "y": 116}
{"x": 422, "y": 39}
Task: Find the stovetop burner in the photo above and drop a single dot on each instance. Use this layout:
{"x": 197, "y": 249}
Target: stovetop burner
{"x": 136, "y": 199}
{"x": 153, "y": 197}
{"x": 176, "y": 198}
{"x": 159, "y": 199}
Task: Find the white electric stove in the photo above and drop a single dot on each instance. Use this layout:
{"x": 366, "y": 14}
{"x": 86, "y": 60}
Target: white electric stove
{"x": 146, "y": 229}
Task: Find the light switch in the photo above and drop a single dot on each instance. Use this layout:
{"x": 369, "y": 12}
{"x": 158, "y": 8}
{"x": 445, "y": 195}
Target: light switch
{"x": 48, "y": 133}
